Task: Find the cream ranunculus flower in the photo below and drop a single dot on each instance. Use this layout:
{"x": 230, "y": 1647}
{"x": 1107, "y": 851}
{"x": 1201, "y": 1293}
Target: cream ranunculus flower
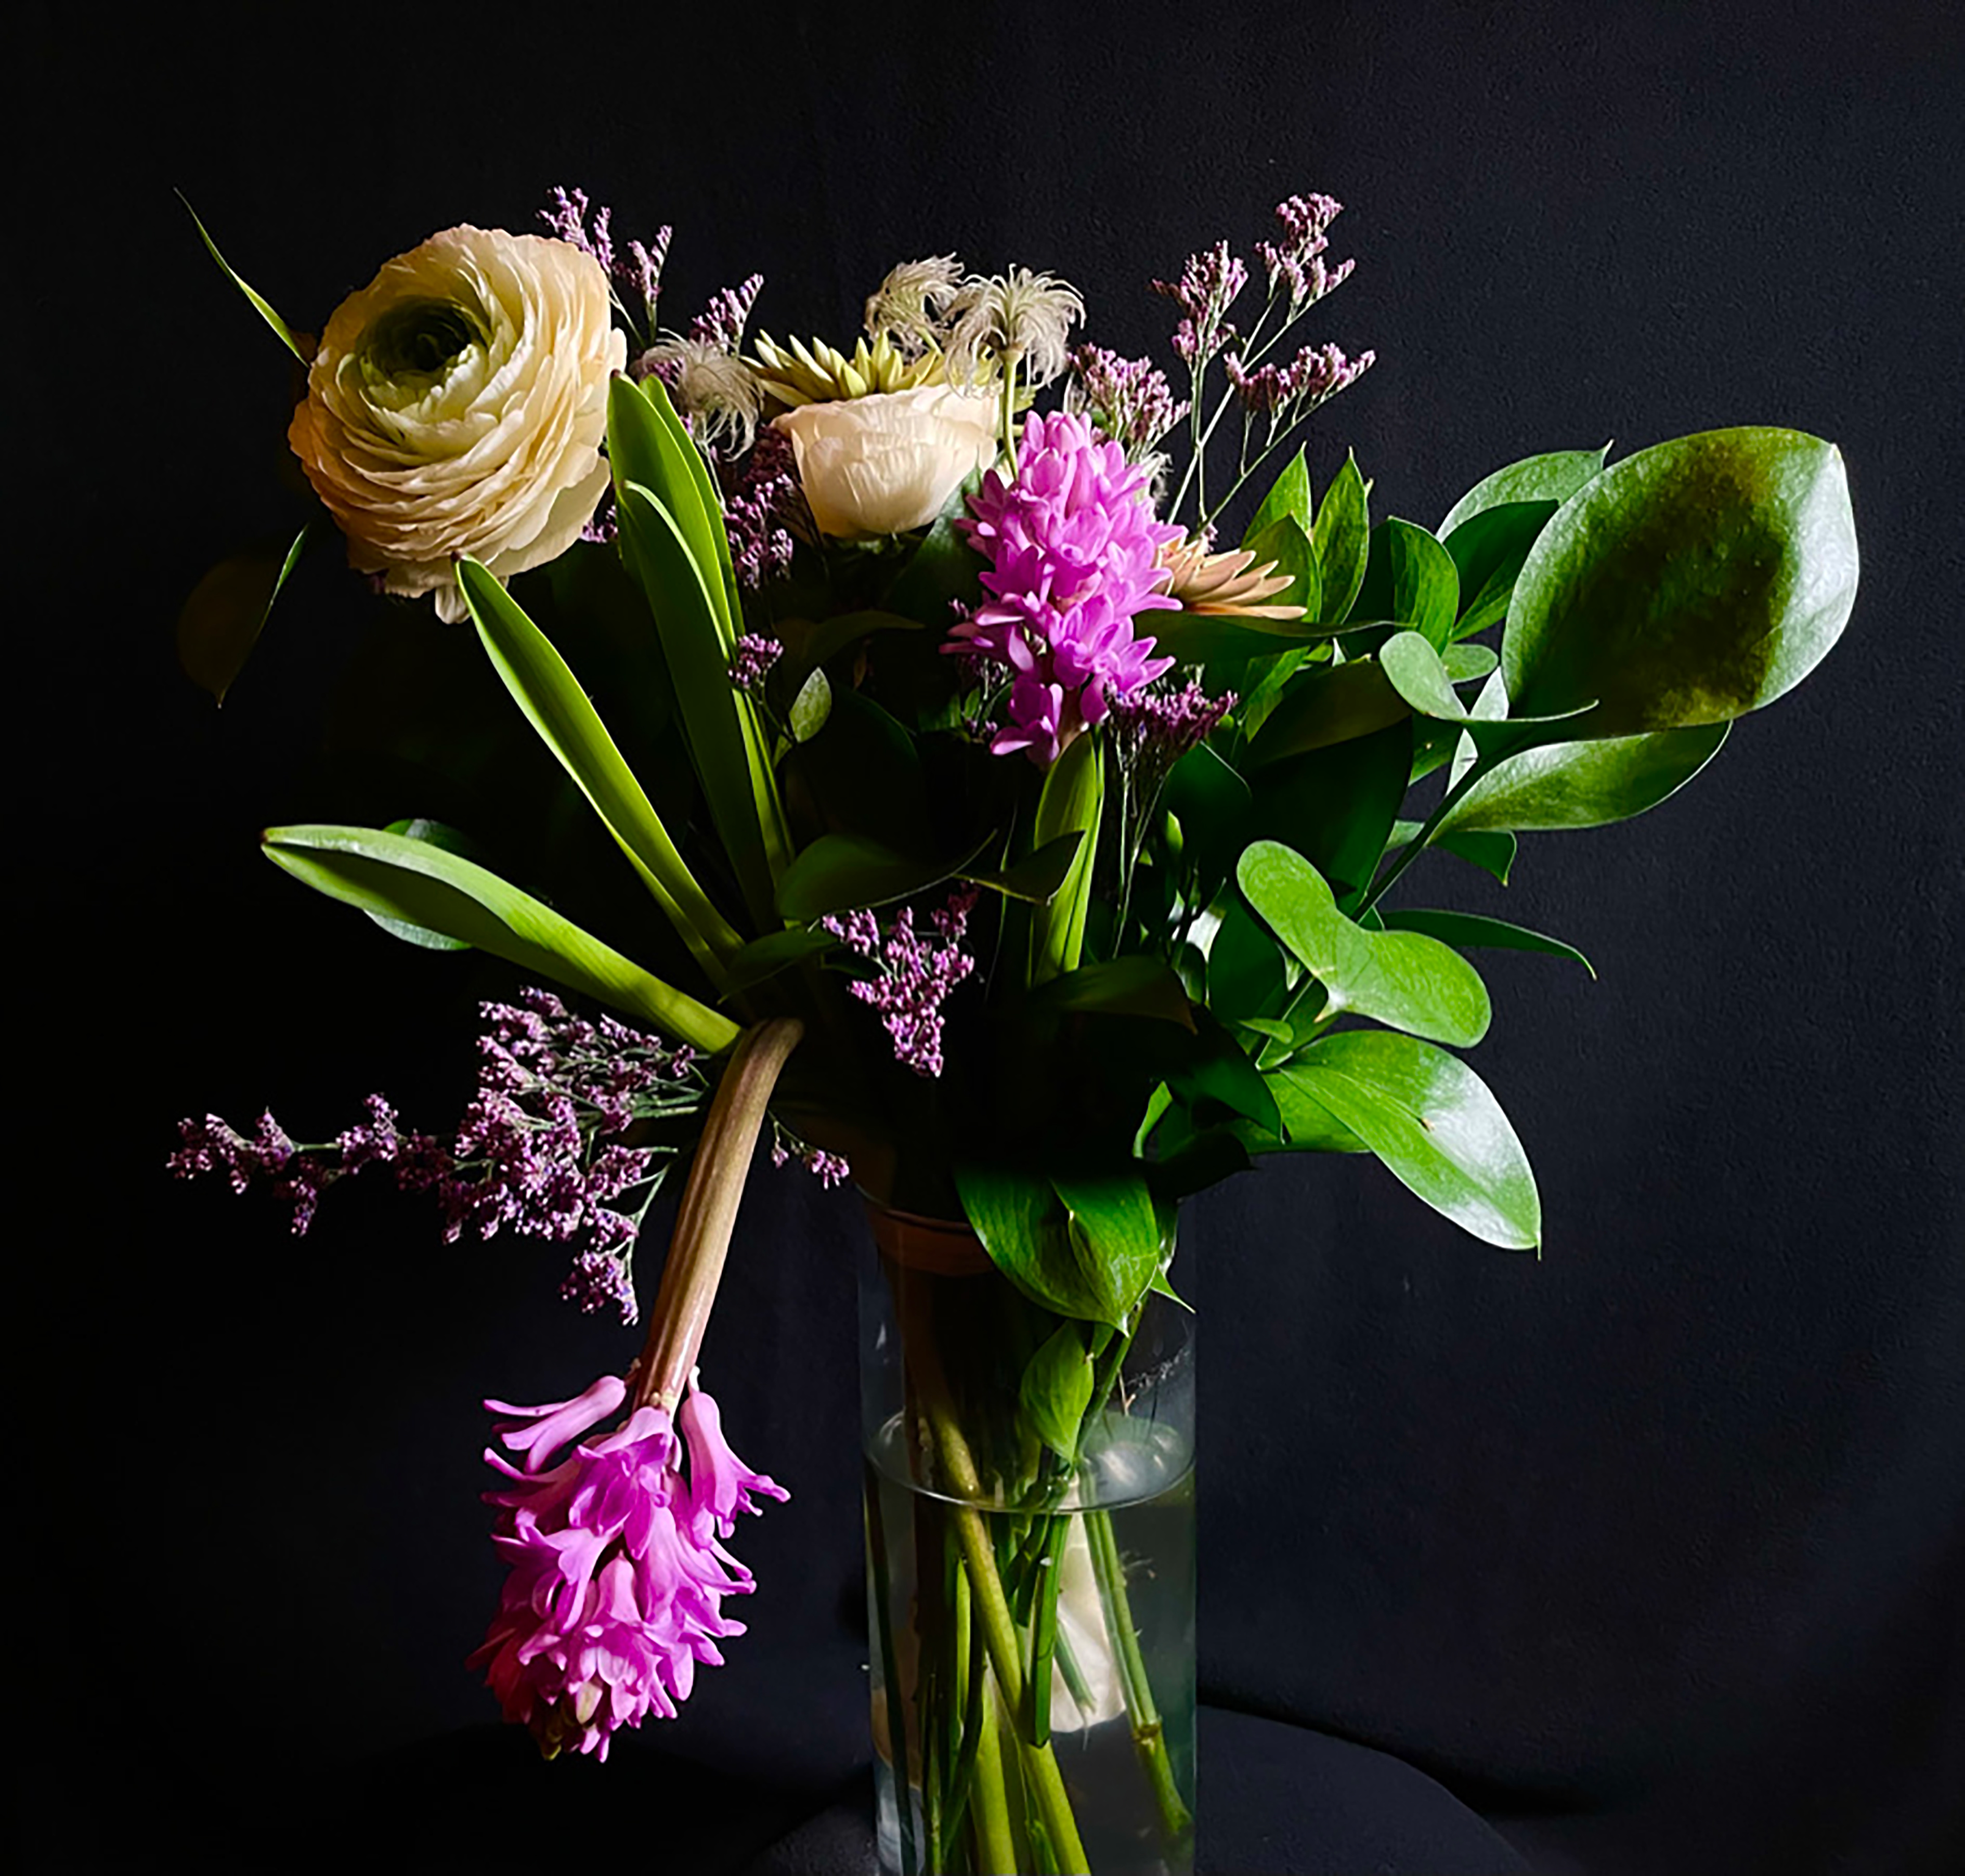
{"x": 882, "y": 464}
{"x": 456, "y": 405}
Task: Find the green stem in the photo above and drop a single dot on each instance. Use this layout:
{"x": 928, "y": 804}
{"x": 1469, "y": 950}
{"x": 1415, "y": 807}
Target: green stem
{"x": 890, "y": 1679}
{"x": 1476, "y": 770}
{"x": 991, "y": 1608}
{"x": 1149, "y": 1734}
{"x": 990, "y": 1806}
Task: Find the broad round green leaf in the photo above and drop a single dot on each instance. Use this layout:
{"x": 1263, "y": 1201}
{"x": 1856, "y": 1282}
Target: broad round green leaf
{"x": 1692, "y": 583}
{"x": 1431, "y": 1119}
{"x": 1403, "y": 978}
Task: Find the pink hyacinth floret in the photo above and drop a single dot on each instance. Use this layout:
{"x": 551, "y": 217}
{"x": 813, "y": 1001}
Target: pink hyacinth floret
{"x": 1072, "y": 545}
{"x": 618, "y": 1576}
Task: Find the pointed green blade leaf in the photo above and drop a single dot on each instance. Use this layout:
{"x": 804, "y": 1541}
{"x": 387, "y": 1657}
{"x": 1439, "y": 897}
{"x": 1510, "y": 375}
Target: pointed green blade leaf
{"x": 1554, "y": 477}
{"x": 1488, "y": 549}
{"x": 1465, "y": 929}
{"x": 725, "y": 742}
{"x": 847, "y": 872}
{"x": 1327, "y": 706}
{"x": 1071, "y": 802}
{"x": 554, "y": 704}
{"x": 1137, "y": 986}
{"x": 1692, "y": 583}
{"x": 1409, "y": 580}
{"x": 450, "y": 841}
{"x": 1586, "y": 784}
{"x": 1431, "y": 1121}
{"x": 1288, "y": 497}
{"x": 1055, "y": 1390}
{"x": 265, "y": 311}
{"x": 228, "y": 610}
{"x": 647, "y": 445}
{"x": 1342, "y": 539}
{"x": 420, "y": 884}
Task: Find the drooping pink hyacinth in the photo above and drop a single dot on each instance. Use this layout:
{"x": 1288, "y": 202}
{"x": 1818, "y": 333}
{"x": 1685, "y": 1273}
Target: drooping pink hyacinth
{"x": 618, "y": 1576}
{"x": 1071, "y": 541}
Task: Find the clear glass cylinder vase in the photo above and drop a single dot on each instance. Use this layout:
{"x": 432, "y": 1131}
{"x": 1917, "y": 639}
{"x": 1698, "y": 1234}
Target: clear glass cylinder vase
{"x": 1031, "y": 1569}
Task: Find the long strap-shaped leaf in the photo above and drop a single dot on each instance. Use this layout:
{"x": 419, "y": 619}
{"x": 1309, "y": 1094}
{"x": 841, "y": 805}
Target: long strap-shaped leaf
{"x": 726, "y": 742}
{"x": 1074, "y": 793}
{"x": 647, "y": 443}
{"x": 414, "y": 881}
{"x": 546, "y": 690}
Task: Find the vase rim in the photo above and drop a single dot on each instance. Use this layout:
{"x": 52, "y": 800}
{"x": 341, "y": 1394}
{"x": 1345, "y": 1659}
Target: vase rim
{"x": 941, "y": 1246}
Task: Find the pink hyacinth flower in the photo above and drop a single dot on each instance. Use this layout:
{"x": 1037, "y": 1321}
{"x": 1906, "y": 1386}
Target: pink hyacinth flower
{"x": 617, "y": 1576}
{"x": 1072, "y": 547}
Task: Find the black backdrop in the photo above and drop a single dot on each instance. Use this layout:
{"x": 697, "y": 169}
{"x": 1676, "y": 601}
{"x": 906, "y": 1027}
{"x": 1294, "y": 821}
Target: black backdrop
{"x": 1652, "y": 1550}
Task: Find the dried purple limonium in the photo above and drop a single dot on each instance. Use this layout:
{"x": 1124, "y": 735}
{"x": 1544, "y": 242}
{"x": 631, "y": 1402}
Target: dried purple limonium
{"x": 1072, "y": 544}
{"x": 542, "y": 1148}
{"x": 1129, "y": 399}
{"x": 718, "y": 394}
{"x": 1154, "y": 728}
{"x": 721, "y": 322}
{"x": 829, "y": 1168}
{"x": 918, "y": 974}
{"x": 761, "y": 502}
{"x": 1284, "y": 394}
{"x": 1207, "y": 288}
{"x": 1296, "y": 261}
{"x": 637, "y": 270}
{"x": 753, "y": 661}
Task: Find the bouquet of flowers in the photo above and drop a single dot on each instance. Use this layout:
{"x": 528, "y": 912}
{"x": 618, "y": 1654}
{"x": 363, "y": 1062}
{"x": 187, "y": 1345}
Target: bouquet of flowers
{"x": 1007, "y": 841}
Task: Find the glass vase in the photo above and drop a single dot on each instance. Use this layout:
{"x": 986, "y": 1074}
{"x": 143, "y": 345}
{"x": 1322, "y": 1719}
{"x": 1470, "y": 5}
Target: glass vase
{"x": 1030, "y": 1572}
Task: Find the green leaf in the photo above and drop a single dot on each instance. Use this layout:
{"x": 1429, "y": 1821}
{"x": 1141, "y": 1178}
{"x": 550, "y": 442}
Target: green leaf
{"x": 1288, "y": 498}
{"x": 725, "y": 742}
{"x": 1218, "y": 640}
{"x": 1245, "y": 967}
{"x": 846, "y": 872}
{"x": 228, "y": 610}
{"x": 1586, "y": 784}
{"x": 1285, "y": 544}
{"x": 567, "y": 723}
{"x": 1211, "y": 800}
{"x": 1308, "y": 1125}
{"x": 1492, "y": 852}
{"x": 420, "y": 884}
{"x": 1431, "y": 1119}
{"x": 1552, "y": 477}
{"x": 1466, "y": 929}
{"x": 1328, "y": 705}
{"x": 1488, "y": 549}
{"x": 1341, "y": 537}
{"x": 1056, "y": 1390}
{"x": 1217, "y": 1069}
{"x": 777, "y": 950}
{"x": 1071, "y": 802}
{"x": 811, "y": 707}
{"x": 1135, "y": 985}
{"x": 450, "y": 841}
{"x": 1036, "y": 877}
{"x": 648, "y": 446}
{"x": 1409, "y": 580}
{"x": 1112, "y": 1216}
{"x": 1692, "y": 583}
{"x": 943, "y": 567}
{"x": 1415, "y": 671}
{"x": 1402, "y": 979}
{"x": 1054, "y": 1257}
{"x": 826, "y": 637}
{"x": 1336, "y": 806}
{"x": 265, "y": 312}
{"x": 1468, "y": 664}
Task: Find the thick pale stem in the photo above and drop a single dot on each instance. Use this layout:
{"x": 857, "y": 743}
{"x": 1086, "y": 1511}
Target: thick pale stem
{"x": 708, "y": 1210}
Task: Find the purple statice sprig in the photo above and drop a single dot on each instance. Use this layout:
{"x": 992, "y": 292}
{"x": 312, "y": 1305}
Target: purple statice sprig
{"x": 1273, "y": 398}
{"x": 633, "y": 269}
{"x": 763, "y": 510}
{"x": 1129, "y": 399}
{"x": 542, "y": 1149}
{"x": 915, "y": 972}
{"x": 829, "y": 1168}
{"x": 1152, "y": 729}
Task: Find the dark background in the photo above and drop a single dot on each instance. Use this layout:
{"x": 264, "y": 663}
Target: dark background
{"x": 1651, "y": 1550}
